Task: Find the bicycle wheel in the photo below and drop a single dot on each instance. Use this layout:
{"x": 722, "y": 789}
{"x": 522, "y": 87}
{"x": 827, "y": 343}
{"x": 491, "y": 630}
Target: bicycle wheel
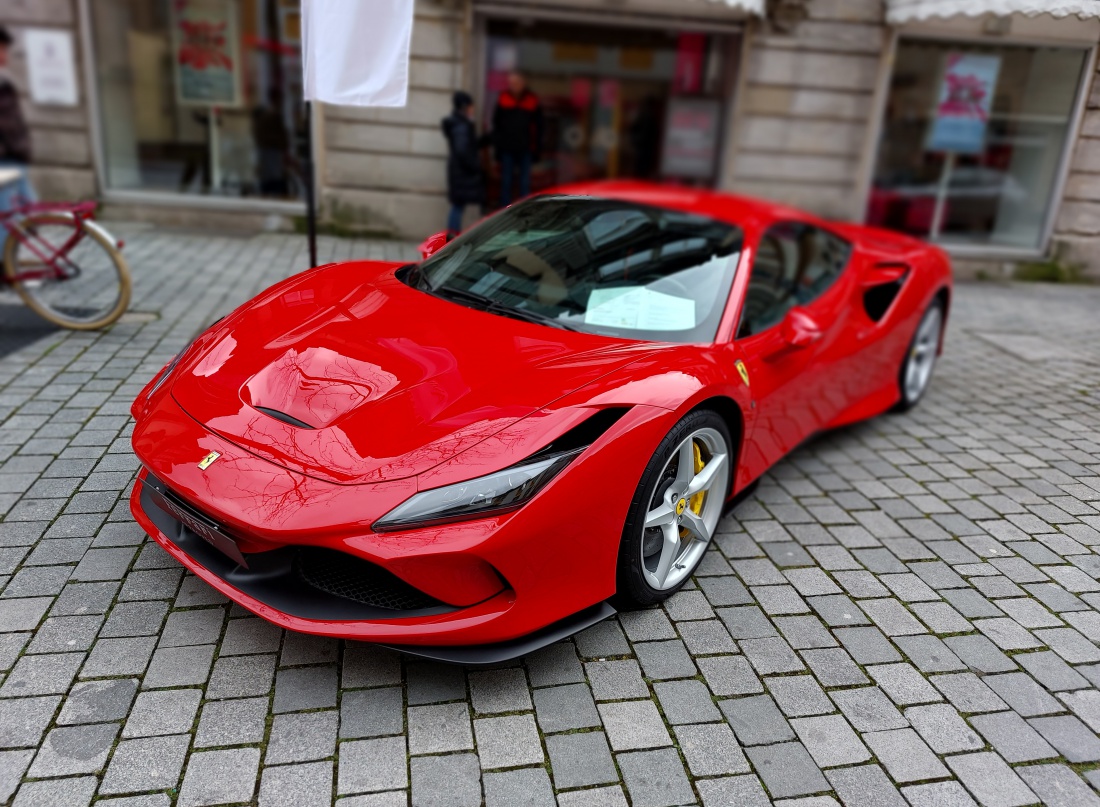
{"x": 67, "y": 270}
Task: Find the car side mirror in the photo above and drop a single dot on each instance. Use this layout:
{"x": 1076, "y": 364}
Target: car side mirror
{"x": 432, "y": 244}
{"x": 799, "y": 329}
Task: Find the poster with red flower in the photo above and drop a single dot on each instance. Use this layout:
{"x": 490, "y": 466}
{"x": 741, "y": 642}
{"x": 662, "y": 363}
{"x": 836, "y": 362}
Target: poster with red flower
{"x": 964, "y": 102}
{"x": 206, "y": 52}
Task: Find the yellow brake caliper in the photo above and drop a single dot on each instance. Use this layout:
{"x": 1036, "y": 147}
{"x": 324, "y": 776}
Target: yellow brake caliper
{"x": 696, "y": 501}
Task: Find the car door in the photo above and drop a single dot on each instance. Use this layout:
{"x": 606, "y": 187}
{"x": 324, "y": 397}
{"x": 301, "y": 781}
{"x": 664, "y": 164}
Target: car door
{"x": 776, "y": 339}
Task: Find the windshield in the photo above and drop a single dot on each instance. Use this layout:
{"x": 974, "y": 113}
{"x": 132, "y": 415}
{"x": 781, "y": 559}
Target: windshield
{"x": 596, "y": 265}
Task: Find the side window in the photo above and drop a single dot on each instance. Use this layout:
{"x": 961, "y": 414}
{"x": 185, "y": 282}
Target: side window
{"x": 794, "y": 264}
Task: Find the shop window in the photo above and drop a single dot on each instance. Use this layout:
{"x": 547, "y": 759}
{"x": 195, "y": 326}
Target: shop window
{"x": 617, "y": 101}
{"x": 200, "y": 96}
{"x": 973, "y": 140}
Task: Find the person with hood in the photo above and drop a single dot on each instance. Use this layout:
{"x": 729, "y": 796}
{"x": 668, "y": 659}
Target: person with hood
{"x": 465, "y": 179}
{"x": 517, "y": 135}
{"x": 15, "y": 140}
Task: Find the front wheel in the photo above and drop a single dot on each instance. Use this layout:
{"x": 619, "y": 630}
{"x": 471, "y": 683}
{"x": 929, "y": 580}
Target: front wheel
{"x": 675, "y": 510}
{"x": 68, "y": 270}
{"x": 916, "y": 370}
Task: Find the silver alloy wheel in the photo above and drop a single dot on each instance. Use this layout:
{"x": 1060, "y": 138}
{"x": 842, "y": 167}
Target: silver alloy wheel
{"x": 922, "y": 355}
{"x": 685, "y": 509}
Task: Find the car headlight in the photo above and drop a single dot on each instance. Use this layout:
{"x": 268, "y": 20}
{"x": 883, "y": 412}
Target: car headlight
{"x": 476, "y": 498}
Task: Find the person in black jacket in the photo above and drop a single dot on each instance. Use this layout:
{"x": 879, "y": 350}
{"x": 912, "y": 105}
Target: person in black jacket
{"x": 15, "y": 139}
{"x": 517, "y": 135}
{"x": 465, "y": 179}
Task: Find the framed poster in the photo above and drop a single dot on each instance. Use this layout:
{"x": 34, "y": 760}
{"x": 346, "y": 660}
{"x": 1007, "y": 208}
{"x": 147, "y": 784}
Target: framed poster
{"x": 690, "y": 148}
{"x": 51, "y": 69}
{"x": 964, "y": 102}
{"x": 206, "y": 53}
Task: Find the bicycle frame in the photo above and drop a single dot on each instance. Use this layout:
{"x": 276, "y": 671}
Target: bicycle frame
{"x": 50, "y": 257}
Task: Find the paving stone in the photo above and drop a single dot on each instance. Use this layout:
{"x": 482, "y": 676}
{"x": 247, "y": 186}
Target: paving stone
{"x": 74, "y": 749}
{"x": 295, "y": 785}
{"x": 1086, "y": 705}
{"x": 787, "y": 770}
{"x": 179, "y": 666}
{"x": 756, "y": 720}
{"x": 220, "y": 777}
{"x": 868, "y": 709}
{"x": 967, "y": 693}
{"x": 432, "y": 682}
{"x": 527, "y": 787}
{"x": 1075, "y": 741}
{"x": 799, "y": 695}
{"x": 867, "y": 645}
{"x": 686, "y": 702}
{"x": 508, "y": 742}
{"x": 602, "y": 640}
{"x": 13, "y": 764}
{"x": 834, "y": 667}
{"x": 440, "y": 727}
{"x": 1022, "y": 694}
{"x": 706, "y": 637}
{"x": 23, "y": 721}
{"x": 830, "y": 740}
{"x": 563, "y": 708}
{"x": 633, "y": 724}
{"x": 938, "y": 794}
{"x": 903, "y": 684}
{"x": 730, "y": 675}
{"x": 747, "y": 622}
{"x": 655, "y": 778}
{"x": 990, "y": 780}
{"x": 496, "y": 691}
{"x": 241, "y": 677}
{"x": 147, "y": 763}
{"x": 371, "y": 712}
{"x": 771, "y": 655}
{"x": 41, "y": 675}
{"x": 580, "y": 760}
{"x": 162, "y": 712}
{"x": 905, "y": 756}
{"x": 1051, "y": 671}
{"x": 864, "y": 786}
{"x": 616, "y": 680}
{"x": 302, "y": 737}
{"x": 232, "y": 722}
{"x": 665, "y": 660}
{"x": 1058, "y": 786}
{"x": 711, "y": 750}
{"x": 556, "y": 664}
{"x": 370, "y": 766}
{"x": 305, "y": 688}
{"x": 647, "y": 625}
{"x": 942, "y": 728}
{"x": 593, "y": 797}
{"x": 745, "y": 791}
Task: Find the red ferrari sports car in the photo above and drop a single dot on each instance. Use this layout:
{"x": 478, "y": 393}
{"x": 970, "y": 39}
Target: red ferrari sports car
{"x": 476, "y": 455}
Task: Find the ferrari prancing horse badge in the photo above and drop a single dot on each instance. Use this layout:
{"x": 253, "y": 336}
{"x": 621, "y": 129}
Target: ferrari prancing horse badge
{"x": 208, "y": 460}
{"x": 743, "y": 371}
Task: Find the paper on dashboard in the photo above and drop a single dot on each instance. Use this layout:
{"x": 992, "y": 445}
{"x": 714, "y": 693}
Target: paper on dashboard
{"x": 639, "y": 308}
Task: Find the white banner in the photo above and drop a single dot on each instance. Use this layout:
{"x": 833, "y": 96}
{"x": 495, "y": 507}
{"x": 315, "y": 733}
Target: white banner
{"x": 356, "y": 52}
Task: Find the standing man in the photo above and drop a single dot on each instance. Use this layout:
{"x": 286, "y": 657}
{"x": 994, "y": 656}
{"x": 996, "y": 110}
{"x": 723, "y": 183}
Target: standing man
{"x": 15, "y": 140}
{"x": 517, "y": 135}
{"x": 465, "y": 181}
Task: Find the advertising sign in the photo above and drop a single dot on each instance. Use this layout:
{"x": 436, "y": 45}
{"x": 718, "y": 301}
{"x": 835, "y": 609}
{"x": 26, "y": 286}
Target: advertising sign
{"x": 965, "y": 98}
{"x": 51, "y": 71}
{"x": 691, "y": 138}
{"x": 206, "y": 53}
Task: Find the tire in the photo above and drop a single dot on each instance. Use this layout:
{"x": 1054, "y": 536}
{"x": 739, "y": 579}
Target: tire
{"x": 654, "y": 563}
{"x": 915, "y": 373}
{"x": 98, "y": 290}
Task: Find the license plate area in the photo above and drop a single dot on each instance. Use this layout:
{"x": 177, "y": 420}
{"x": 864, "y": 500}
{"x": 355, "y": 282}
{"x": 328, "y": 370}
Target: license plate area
{"x": 204, "y": 527}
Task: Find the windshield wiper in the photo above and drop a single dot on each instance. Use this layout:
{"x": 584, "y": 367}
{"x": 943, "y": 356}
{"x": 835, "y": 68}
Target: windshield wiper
{"x": 496, "y": 307}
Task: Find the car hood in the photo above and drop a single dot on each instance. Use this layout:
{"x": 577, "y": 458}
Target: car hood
{"x": 352, "y": 376}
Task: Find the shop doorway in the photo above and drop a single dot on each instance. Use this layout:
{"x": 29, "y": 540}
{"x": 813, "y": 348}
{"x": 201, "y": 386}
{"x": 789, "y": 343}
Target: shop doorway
{"x": 624, "y": 102}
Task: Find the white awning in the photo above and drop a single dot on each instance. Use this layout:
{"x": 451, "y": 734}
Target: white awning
{"x": 898, "y": 11}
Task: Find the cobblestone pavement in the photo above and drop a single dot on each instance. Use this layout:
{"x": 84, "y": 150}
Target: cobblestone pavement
{"x": 906, "y": 612}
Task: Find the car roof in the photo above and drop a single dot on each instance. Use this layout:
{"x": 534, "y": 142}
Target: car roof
{"x": 728, "y": 207}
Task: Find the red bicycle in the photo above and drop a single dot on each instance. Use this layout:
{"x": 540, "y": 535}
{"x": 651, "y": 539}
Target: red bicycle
{"x": 64, "y": 265}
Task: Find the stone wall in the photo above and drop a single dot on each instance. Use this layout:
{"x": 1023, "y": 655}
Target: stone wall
{"x": 62, "y": 159}
{"x": 387, "y": 167}
{"x": 1078, "y": 222}
{"x": 803, "y": 120}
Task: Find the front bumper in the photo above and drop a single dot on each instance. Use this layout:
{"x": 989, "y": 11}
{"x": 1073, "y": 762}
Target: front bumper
{"x": 555, "y": 557}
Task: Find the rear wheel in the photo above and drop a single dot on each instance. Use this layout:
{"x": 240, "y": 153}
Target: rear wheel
{"x": 675, "y": 510}
{"x": 68, "y": 271}
{"x": 920, "y": 360}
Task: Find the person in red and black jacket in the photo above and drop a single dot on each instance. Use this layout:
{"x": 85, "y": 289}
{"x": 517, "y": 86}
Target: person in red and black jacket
{"x": 517, "y": 135}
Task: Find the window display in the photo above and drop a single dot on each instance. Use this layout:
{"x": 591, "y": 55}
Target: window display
{"x": 973, "y": 141}
{"x": 200, "y": 96}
